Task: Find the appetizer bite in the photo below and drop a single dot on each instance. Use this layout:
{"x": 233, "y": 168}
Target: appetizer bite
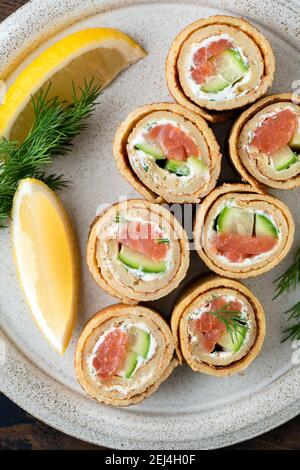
{"x": 137, "y": 251}
{"x": 219, "y": 326}
{"x": 167, "y": 153}
{"x": 241, "y": 233}
{"x": 264, "y": 143}
{"x": 123, "y": 354}
{"x": 219, "y": 63}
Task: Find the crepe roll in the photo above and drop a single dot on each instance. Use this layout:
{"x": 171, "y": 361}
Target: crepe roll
{"x": 218, "y": 326}
{"x": 218, "y": 64}
{"x": 123, "y": 354}
{"x": 264, "y": 142}
{"x": 137, "y": 251}
{"x": 242, "y": 233}
{"x": 167, "y": 153}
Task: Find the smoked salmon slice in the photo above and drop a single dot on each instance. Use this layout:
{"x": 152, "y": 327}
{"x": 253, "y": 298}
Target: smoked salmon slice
{"x": 238, "y": 247}
{"x": 175, "y": 143}
{"x": 144, "y": 238}
{"x": 111, "y": 354}
{"x": 203, "y": 68}
{"x": 209, "y": 328}
{"x": 221, "y": 302}
{"x": 209, "y": 340}
{"x": 275, "y": 132}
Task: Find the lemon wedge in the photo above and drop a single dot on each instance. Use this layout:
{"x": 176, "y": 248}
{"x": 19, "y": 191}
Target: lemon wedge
{"x": 46, "y": 259}
{"x": 99, "y": 53}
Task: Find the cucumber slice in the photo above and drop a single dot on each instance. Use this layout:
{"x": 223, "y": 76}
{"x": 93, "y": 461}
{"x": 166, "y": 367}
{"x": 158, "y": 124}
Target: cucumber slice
{"x": 135, "y": 260}
{"x": 231, "y": 65}
{"x": 235, "y": 220}
{"x": 215, "y": 84}
{"x": 130, "y": 364}
{"x": 264, "y": 226}
{"x": 197, "y": 165}
{"x": 140, "y": 340}
{"x": 178, "y": 167}
{"x": 294, "y": 143}
{"x": 284, "y": 158}
{"x": 151, "y": 150}
{"x": 235, "y": 342}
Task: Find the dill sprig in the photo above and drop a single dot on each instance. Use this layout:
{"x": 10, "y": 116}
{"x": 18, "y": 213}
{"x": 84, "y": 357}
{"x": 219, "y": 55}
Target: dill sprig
{"x": 287, "y": 281}
{"x": 293, "y": 332}
{"x": 55, "y": 125}
{"x": 290, "y": 279}
{"x": 235, "y": 325}
{"x": 294, "y": 312}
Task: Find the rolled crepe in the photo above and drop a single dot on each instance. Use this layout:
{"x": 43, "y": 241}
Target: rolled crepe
{"x": 218, "y": 64}
{"x": 123, "y": 354}
{"x": 137, "y": 251}
{"x": 204, "y": 341}
{"x": 264, "y": 143}
{"x": 241, "y": 233}
{"x": 167, "y": 153}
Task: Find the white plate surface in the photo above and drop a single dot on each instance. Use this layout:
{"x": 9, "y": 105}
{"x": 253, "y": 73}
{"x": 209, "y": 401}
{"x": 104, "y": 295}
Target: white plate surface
{"x": 190, "y": 410}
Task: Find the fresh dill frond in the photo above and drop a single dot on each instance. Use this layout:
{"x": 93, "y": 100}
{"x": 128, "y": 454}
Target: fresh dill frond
{"x": 7, "y": 192}
{"x": 293, "y": 332}
{"x": 55, "y": 182}
{"x": 55, "y": 125}
{"x": 235, "y": 325}
{"x": 294, "y": 312}
{"x": 290, "y": 279}
{"x": 7, "y": 148}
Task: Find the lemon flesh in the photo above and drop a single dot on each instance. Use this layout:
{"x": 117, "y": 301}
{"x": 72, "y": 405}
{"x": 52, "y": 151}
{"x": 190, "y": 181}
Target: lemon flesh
{"x": 46, "y": 259}
{"x": 99, "y": 53}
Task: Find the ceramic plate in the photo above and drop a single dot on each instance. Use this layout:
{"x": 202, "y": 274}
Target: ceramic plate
{"x": 189, "y": 411}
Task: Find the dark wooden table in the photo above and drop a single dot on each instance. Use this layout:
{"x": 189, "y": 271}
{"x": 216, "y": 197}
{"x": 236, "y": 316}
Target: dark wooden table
{"x": 19, "y": 430}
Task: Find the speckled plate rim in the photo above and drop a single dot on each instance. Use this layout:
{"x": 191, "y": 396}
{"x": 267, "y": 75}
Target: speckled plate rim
{"x": 60, "y": 407}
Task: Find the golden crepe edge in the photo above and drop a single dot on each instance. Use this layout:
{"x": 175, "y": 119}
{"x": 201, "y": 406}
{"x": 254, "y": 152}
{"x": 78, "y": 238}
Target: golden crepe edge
{"x": 203, "y": 210}
{"x": 127, "y": 126}
{"x": 95, "y": 269}
{"x": 99, "y": 318}
{"x": 172, "y": 73}
{"x": 234, "y": 138}
{"x": 202, "y": 285}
